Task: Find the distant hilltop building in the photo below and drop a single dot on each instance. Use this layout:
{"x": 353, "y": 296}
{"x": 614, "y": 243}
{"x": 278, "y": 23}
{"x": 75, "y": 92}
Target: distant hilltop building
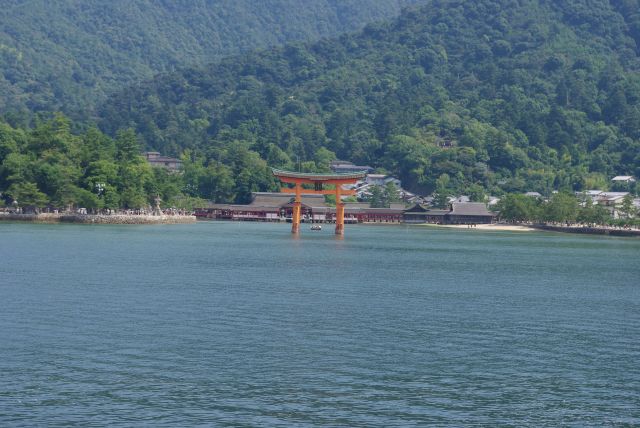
{"x": 533, "y": 194}
{"x": 157, "y": 160}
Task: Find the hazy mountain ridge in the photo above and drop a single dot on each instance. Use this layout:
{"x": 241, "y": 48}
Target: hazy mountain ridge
{"x": 68, "y": 54}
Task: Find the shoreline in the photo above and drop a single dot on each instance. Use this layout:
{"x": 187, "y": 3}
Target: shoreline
{"x": 485, "y": 227}
{"x": 144, "y": 219}
{"x": 49, "y": 218}
{"x": 588, "y": 230}
{"x": 581, "y": 230}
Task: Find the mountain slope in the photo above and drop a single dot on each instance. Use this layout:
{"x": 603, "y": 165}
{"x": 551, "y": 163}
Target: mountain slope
{"x": 507, "y": 95}
{"x": 67, "y": 54}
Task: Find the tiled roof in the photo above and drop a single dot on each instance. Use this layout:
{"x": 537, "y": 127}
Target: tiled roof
{"x": 267, "y": 199}
{"x": 416, "y": 208}
{"x": 427, "y": 213}
{"x": 612, "y": 195}
{"x": 357, "y": 205}
{"x": 270, "y": 199}
{"x": 470, "y": 208}
{"x": 383, "y": 210}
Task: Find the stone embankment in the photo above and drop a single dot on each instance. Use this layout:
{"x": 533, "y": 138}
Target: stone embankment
{"x": 100, "y": 218}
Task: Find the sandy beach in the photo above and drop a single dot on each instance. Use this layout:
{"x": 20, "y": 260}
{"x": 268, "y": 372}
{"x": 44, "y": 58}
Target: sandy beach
{"x": 495, "y": 226}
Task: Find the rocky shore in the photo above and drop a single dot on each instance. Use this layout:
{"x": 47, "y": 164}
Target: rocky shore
{"x": 100, "y": 218}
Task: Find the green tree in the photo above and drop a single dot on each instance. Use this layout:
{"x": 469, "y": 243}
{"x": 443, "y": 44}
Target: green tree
{"x": 561, "y": 208}
{"x": 376, "y": 200}
{"x": 443, "y": 192}
{"x": 323, "y": 158}
{"x": 600, "y": 214}
{"x": 476, "y": 193}
{"x": 127, "y": 146}
{"x": 516, "y": 207}
{"x": 88, "y": 200}
{"x": 27, "y": 194}
{"x": 627, "y": 209}
{"x": 586, "y": 214}
{"x": 216, "y": 183}
{"x": 390, "y": 194}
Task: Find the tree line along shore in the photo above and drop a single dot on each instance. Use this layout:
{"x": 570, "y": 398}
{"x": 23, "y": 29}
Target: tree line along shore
{"x": 51, "y": 168}
{"x": 564, "y": 209}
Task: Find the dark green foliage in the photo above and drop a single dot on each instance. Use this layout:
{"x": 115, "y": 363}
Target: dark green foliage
{"x": 587, "y": 214}
{"x": 376, "y": 200}
{"x": 50, "y": 166}
{"x": 384, "y": 196}
{"x": 499, "y": 95}
{"x": 65, "y": 55}
{"x": 27, "y": 194}
{"x": 564, "y": 208}
{"x": 443, "y": 192}
{"x": 520, "y": 208}
{"x": 627, "y": 210}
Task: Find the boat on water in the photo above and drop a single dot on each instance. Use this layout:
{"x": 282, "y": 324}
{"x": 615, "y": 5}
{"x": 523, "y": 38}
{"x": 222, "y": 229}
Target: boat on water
{"x": 316, "y": 227}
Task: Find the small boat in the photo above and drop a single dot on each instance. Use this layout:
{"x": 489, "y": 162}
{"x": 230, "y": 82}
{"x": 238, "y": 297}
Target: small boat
{"x": 316, "y": 227}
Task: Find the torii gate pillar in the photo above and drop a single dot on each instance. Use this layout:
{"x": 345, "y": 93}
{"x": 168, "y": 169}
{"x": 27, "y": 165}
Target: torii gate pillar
{"x": 339, "y": 212}
{"x": 297, "y": 210}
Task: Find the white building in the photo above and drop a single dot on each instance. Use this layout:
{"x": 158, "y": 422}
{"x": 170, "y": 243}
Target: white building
{"x": 627, "y": 179}
{"x": 382, "y": 179}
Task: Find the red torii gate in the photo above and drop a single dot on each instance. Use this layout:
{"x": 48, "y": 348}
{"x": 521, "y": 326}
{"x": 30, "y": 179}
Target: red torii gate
{"x": 318, "y": 181}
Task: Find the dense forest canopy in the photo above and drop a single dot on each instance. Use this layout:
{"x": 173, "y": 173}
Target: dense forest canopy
{"x": 67, "y": 54}
{"x": 51, "y": 166}
{"x": 48, "y": 165}
{"x": 500, "y": 95}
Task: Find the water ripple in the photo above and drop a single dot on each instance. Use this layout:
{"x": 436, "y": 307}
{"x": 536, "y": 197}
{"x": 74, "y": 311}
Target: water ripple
{"x": 236, "y": 324}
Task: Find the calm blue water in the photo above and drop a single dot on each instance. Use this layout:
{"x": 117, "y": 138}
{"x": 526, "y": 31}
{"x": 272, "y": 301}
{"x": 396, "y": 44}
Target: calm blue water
{"x": 240, "y": 324}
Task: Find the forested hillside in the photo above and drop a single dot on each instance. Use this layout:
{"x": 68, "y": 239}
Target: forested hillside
{"x": 505, "y": 95}
{"x": 50, "y": 166}
{"x": 67, "y": 54}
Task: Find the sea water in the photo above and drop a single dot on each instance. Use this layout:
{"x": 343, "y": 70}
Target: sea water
{"x": 222, "y": 324}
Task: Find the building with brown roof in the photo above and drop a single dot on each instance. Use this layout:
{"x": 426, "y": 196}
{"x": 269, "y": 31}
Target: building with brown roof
{"x": 267, "y": 206}
{"x": 458, "y": 213}
{"x": 469, "y": 213}
{"x": 157, "y": 160}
